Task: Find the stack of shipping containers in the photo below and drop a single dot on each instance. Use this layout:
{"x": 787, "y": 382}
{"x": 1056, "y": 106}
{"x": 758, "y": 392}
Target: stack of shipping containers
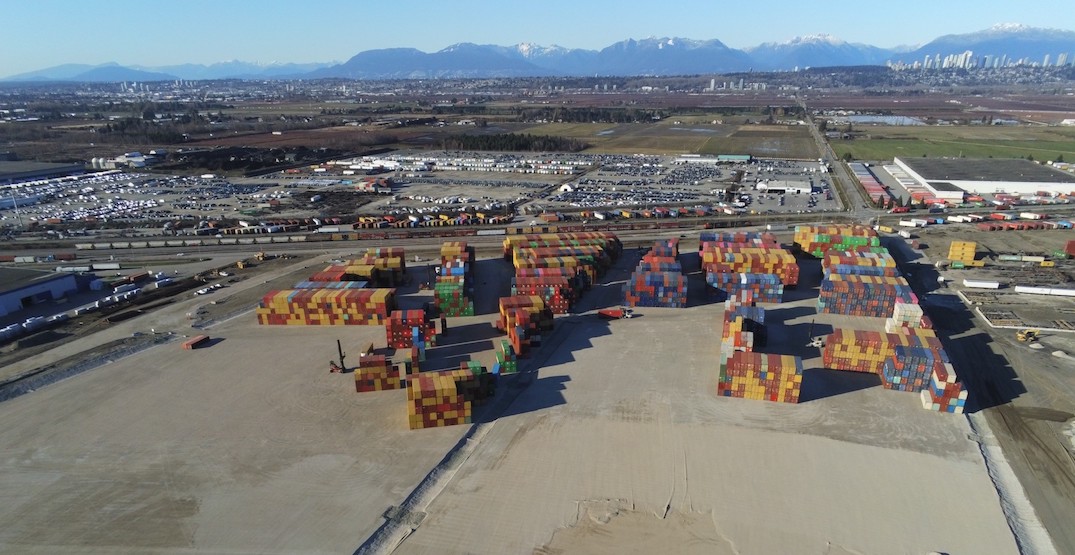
{"x": 523, "y": 318}
{"x": 819, "y": 239}
{"x": 859, "y": 263}
{"x": 746, "y": 261}
{"x": 859, "y": 295}
{"x": 658, "y": 280}
{"x": 320, "y": 307}
{"x": 455, "y": 280}
{"x": 376, "y": 373}
{"x": 945, "y": 393}
{"x": 762, "y": 376}
{"x": 744, "y": 325}
{"x": 867, "y": 351}
{"x": 746, "y": 374}
{"x": 506, "y": 361}
{"x": 331, "y": 285}
{"x": 446, "y": 398}
{"x": 383, "y": 267}
{"x": 767, "y": 288}
{"x": 909, "y": 368}
{"x": 907, "y": 315}
{"x": 400, "y": 327}
{"x": 556, "y": 291}
{"x": 961, "y": 254}
{"x": 559, "y": 266}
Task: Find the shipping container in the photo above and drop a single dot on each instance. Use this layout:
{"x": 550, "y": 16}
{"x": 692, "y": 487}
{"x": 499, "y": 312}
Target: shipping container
{"x": 313, "y": 307}
{"x": 977, "y": 284}
{"x": 195, "y": 342}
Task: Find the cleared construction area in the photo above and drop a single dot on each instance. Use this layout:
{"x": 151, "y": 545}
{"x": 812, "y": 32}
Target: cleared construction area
{"x": 250, "y": 445}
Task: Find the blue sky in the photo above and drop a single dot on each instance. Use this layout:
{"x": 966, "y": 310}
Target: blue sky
{"x": 43, "y": 33}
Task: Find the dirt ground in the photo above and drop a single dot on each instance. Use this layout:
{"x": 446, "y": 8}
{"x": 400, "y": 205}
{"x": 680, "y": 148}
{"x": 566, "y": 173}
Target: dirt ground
{"x": 250, "y": 445}
{"x": 621, "y": 440}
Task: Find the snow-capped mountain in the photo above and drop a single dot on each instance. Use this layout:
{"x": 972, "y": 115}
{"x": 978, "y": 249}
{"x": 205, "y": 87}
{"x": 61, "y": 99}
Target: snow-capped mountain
{"x": 649, "y": 56}
{"x": 816, "y": 51}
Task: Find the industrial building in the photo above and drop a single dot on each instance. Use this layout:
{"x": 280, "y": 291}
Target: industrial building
{"x": 718, "y": 159}
{"x": 949, "y": 178}
{"x": 22, "y": 288}
{"x": 20, "y": 172}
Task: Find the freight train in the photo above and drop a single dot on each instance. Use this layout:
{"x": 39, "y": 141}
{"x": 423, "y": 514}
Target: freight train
{"x": 415, "y": 233}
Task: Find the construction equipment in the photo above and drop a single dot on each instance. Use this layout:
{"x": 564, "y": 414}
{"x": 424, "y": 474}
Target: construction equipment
{"x": 817, "y": 342}
{"x": 1028, "y": 336}
{"x": 260, "y": 256}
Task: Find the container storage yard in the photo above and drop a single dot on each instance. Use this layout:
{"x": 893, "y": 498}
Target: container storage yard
{"x": 632, "y": 416}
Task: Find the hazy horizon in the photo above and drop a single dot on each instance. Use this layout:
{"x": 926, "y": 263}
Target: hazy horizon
{"x": 47, "y": 33}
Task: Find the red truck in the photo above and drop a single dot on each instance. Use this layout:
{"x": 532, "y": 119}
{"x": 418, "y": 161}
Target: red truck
{"x": 615, "y": 313}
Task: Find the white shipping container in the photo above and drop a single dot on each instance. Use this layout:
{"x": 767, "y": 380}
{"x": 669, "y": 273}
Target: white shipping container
{"x": 776, "y": 227}
{"x": 919, "y": 223}
{"x": 907, "y": 223}
{"x": 1037, "y": 259}
{"x": 1031, "y": 216}
{"x": 1045, "y": 291}
{"x": 977, "y": 284}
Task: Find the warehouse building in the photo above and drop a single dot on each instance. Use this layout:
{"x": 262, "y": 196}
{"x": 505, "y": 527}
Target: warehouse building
{"x": 22, "y": 288}
{"x": 20, "y": 172}
{"x": 948, "y": 178}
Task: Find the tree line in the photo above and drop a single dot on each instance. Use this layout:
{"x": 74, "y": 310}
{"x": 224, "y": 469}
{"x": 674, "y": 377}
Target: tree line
{"x": 512, "y": 142}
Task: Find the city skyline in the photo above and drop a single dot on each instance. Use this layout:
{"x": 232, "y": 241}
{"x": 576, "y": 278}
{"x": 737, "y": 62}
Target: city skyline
{"x": 54, "y": 32}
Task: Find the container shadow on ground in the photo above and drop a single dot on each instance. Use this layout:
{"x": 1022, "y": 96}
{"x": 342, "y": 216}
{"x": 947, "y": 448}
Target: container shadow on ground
{"x": 541, "y": 393}
{"x": 820, "y": 383}
{"x": 988, "y": 376}
{"x": 213, "y": 342}
{"x": 492, "y": 280}
{"x": 793, "y": 339}
{"x": 457, "y": 345}
{"x": 529, "y": 390}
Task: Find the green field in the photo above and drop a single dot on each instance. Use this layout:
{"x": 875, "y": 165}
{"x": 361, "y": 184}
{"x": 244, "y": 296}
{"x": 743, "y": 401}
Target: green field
{"x": 885, "y": 143}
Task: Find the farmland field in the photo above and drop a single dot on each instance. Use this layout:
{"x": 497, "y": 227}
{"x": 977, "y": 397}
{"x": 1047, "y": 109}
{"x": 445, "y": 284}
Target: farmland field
{"x": 688, "y": 136}
{"x": 766, "y": 141}
{"x": 629, "y": 138}
{"x": 884, "y": 143}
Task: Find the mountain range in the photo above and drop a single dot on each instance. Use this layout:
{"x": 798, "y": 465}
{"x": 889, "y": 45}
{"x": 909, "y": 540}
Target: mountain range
{"x": 651, "y": 56}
